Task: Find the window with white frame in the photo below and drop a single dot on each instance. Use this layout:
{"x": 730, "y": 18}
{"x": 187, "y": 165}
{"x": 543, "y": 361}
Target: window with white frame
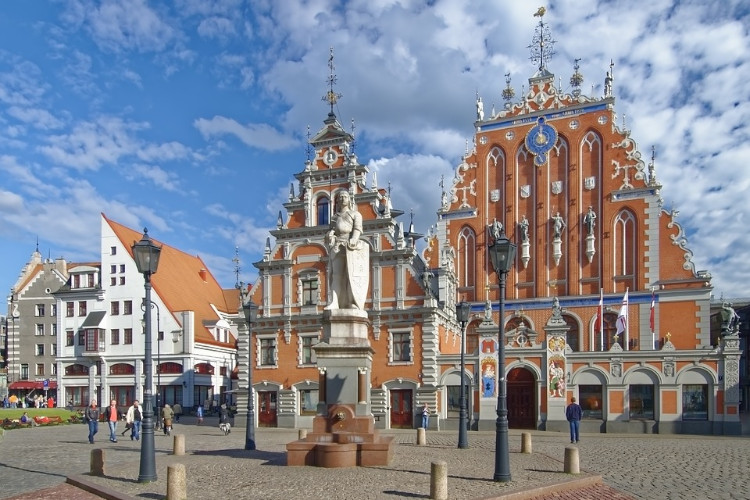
{"x": 39, "y": 329}
{"x": 267, "y": 350}
{"x": 40, "y": 349}
{"x": 400, "y": 346}
{"x": 39, "y": 310}
{"x": 306, "y": 351}
{"x": 310, "y": 285}
{"x": 40, "y": 369}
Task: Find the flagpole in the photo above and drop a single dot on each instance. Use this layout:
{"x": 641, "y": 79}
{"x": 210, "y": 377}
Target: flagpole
{"x": 601, "y": 318}
{"x": 627, "y": 310}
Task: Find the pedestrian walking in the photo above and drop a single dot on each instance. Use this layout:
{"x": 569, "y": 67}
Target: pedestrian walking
{"x": 574, "y": 413}
{"x": 112, "y": 415}
{"x": 167, "y": 414}
{"x": 199, "y": 414}
{"x": 177, "y": 407}
{"x": 133, "y": 417}
{"x": 92, "y": 419}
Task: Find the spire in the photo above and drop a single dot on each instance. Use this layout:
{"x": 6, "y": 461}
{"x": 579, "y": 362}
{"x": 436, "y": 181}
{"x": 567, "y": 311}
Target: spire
{"x": 577, "y": 79}
{"x": 508, "y": 92}
{"x": 236, "y": 260}
{"x": 541, "y": 44}
{"x": 331, "y": 96}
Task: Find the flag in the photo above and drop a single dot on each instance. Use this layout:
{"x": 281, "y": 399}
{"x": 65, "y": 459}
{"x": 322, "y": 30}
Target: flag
{"x": 651, "y": 318}
{"x": 622, "y": 318}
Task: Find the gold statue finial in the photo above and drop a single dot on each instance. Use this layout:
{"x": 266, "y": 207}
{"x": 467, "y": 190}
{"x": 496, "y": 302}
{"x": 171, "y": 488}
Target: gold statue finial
{"x": 540, "y": 12}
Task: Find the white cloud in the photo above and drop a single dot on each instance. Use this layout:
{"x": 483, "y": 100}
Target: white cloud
{"x": 257, "y": 135}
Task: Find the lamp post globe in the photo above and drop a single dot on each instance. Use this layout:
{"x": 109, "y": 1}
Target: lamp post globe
{"x": 463, "y": 310}
{"x": 146, "y": 255}
{"x": 502, "y": 254}
{"x": 250, "y": 311}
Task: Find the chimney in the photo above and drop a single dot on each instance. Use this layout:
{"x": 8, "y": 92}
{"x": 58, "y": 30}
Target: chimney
{"x": 203, "y": 273}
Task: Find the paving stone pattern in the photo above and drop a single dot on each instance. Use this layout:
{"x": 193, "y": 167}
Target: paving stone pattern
{"x": 632, "y": 466}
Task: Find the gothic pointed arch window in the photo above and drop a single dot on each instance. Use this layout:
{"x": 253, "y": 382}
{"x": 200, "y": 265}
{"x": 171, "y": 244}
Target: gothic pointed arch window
{"x": 496, "y": 164}
{"x": 625, "y": 254}
{"x": 466, "y": 263}
{"x": 323, "y": 211}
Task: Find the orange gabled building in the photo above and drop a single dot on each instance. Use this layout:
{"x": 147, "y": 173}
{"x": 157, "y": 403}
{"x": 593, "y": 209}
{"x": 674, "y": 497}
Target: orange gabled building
{"x": 595, "y": 249}
{"x": 573, "y": 192}
{"x": 407, "y": 322}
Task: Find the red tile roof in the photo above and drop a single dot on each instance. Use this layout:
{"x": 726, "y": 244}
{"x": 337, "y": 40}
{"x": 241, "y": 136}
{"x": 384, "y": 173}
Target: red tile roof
{"x": 184, "y": 283}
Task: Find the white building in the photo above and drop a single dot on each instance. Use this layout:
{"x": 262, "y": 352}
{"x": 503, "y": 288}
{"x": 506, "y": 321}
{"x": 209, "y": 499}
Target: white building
{"x": 102, "y": 343}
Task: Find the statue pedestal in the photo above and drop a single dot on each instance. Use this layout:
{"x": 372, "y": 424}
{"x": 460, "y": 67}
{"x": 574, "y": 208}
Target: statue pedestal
{"x": 344, "y": 433}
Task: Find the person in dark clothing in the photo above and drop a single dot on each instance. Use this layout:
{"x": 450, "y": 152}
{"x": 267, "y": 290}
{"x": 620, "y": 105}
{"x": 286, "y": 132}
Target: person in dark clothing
{"x": 92, "y": 419}
{"x": 574, "y": 413}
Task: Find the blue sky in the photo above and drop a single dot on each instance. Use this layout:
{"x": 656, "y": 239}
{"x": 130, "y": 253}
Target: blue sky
{"x": 190, "y": 117}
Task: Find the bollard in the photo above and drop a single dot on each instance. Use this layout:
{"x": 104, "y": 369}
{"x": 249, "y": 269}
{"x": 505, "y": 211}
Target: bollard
{"x": 176, "y": 482}
{"x": 97, "y": 462}
{"x": 572, "y": 462}
{"x": 525, "y": 442}
{"x": 302, "y": 434}
{"x": 178, "y": 447}
{"x": 439, "y": 480}
{"x": 421, "y": 437}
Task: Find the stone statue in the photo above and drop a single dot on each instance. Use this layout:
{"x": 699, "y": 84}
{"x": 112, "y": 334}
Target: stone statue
{"x": 589, "y": 220}
{"x": 558, "y": 224}
{"x": 730, "y": 320}
{"x": 480, "y": 109}
{"x": 349, "y": 257}
{"x": 524, "y": 226}
{"x": 495, "y": 229}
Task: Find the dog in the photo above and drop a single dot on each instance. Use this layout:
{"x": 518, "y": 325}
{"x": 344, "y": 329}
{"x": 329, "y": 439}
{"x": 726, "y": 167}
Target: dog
{"x": 225, "y": 427}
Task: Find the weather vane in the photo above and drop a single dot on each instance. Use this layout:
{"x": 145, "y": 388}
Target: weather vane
{"x": 331, "y": 97}
{"x": 542, "y": 43}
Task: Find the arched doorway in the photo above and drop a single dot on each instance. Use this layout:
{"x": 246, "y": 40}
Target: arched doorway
{"x": 521, "y": 399}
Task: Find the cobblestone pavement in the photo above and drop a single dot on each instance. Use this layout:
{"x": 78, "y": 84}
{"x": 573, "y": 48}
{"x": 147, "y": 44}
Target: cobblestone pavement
{"x": 632, "y": 466}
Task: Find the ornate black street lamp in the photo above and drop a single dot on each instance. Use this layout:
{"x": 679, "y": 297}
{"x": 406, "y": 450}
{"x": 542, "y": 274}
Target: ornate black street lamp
{"x": 502, "y": 253}
{"x": 463, "y": 309}
{"x": 157, "y": 406}
{"x": 251, "y": 316}
{"x": 146, "y": 255}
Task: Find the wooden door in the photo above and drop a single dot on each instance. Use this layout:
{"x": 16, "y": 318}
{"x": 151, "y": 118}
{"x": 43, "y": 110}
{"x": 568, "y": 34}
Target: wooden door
{"x": 402, "y": 416}
{"x": 267, "y": 408}
{"x": 521, "y": 397}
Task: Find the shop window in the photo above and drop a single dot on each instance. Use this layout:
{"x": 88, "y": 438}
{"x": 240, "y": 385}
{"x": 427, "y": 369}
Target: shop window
{"x": 695, "y": 402}
{"x": 308, "y": 401}
{"x": 590, "y": 399}
{"x": 642, "y": 402}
